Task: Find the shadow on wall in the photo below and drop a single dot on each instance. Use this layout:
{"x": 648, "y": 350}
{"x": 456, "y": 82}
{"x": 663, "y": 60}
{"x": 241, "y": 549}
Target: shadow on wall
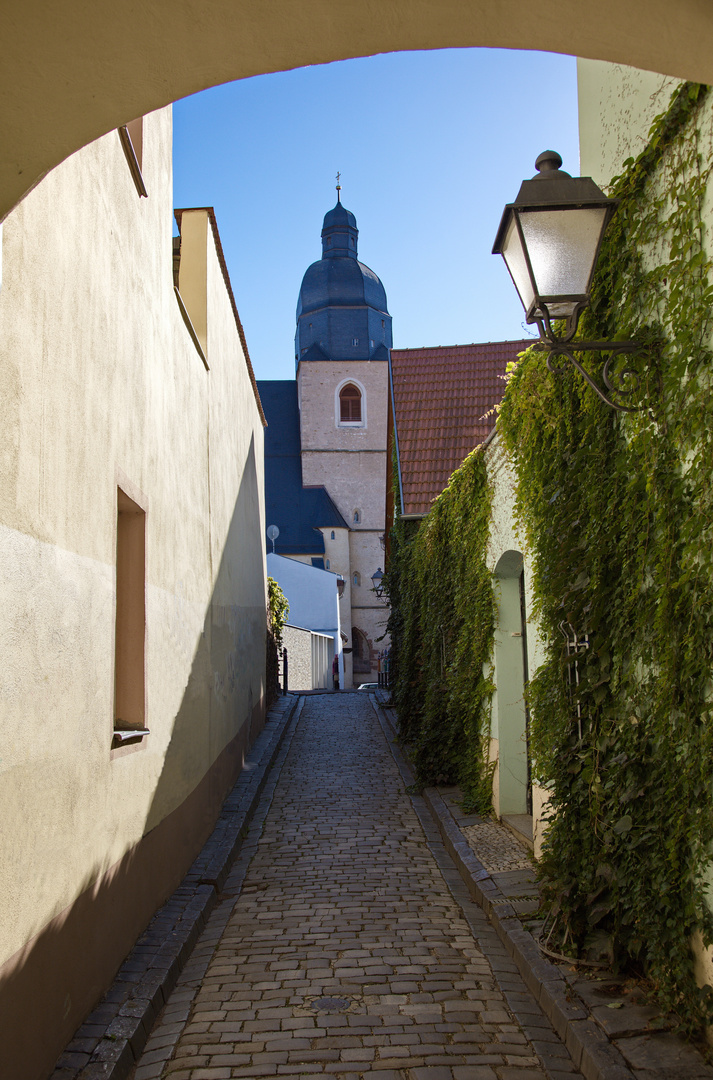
{"x": 48, "y": 988}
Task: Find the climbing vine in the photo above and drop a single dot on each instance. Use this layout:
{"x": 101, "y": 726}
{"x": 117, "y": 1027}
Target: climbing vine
{"x": 278, "y": 609}
{"x": 441, "y": 626}
{"x": 618, "y": 513}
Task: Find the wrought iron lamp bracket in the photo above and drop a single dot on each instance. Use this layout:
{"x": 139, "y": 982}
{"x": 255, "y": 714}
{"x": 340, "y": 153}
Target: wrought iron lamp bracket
{"x": 615, "y": 384}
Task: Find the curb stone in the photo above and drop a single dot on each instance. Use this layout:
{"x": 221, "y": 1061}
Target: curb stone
{"x": 590, "y": 1049}
{"x": 110, "y": 1040}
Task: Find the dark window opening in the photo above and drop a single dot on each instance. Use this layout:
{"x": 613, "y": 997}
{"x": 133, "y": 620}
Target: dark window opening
{"x": 129, "y": 685}
{"x": 361, "y": 653}
{"x": 349, "y": 404}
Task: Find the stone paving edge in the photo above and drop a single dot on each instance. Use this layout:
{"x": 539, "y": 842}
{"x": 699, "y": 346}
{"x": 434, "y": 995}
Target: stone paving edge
{"x": 111, "y": 1039}
{"x": 590, "y": 1048}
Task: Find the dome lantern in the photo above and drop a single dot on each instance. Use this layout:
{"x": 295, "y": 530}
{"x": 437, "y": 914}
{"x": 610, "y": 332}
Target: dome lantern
{"x": 339, "y": 234}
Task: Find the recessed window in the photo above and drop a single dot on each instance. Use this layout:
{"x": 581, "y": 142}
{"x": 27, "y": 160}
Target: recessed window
{"x": 383, "y": 322}
{"x": 129, "y": 678}
{"x": 361, "y": 652}
{"x": 355, "y": 341}
{"x": 356, "y": 579}
{"x": 350, "y": 404}
{"x": 333, "y": 535}
{"x": 357, "y": 517}
{"x": 327, "y": 564}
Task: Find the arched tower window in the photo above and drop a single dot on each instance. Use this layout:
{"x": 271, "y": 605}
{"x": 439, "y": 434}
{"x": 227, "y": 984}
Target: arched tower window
{"x": 356, "y": 578}
{"x": 350, "y": 404}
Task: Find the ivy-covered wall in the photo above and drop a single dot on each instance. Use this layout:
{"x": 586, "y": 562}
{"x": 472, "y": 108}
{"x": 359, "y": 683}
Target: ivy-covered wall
{"x": 618, "y": 514}
{"x": 441, "y": 626}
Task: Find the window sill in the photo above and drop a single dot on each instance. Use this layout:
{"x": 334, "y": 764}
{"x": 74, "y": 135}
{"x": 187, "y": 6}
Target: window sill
{"x": 124, "y": 736}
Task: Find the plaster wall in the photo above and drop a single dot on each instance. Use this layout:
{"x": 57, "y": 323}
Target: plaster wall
{"x": 82, "y": 68}
{"x": 337, "y": 552}
{"x": 617, "y": 105}
{"x": 102, "y": 387}
{"x": 507, "y": 555}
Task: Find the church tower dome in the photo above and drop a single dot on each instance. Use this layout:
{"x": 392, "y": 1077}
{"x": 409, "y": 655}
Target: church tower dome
{"x": 341, "y": 311}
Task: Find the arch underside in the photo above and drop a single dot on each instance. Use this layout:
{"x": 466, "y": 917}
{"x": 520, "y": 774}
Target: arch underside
{"x": 71, "y": 72}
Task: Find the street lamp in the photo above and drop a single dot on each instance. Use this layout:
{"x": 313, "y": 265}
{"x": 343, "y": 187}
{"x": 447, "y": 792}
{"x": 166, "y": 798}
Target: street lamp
{"x": 550, "y": 239}
{"x": 377, "y": 582}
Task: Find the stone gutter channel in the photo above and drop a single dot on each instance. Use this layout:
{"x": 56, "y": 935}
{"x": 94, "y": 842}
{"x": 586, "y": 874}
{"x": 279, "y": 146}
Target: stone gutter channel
{"x": 605, "y": 1043}
{"x": 110, "y": 1041}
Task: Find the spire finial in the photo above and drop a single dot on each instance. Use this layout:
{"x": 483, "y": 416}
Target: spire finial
{"x": 339, "y": 188}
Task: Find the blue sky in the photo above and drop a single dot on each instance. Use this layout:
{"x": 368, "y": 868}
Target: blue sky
{"x": 430, "y": 145}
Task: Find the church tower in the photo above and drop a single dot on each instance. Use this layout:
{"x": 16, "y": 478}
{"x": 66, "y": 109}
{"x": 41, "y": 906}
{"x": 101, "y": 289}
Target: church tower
{"x": 342, "y": 348}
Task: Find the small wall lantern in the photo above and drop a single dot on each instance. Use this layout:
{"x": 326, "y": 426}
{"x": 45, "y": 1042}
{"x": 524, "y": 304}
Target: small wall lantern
{"x": 377, "y": 582}
{"x": 550, "y": 239}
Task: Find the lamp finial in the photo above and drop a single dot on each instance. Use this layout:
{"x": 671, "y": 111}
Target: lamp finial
{"x": 548, "y": 161}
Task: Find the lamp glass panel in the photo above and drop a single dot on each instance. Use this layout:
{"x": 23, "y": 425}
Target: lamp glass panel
{"x": 562, "y": 245}
{"x": 515, "y": 260}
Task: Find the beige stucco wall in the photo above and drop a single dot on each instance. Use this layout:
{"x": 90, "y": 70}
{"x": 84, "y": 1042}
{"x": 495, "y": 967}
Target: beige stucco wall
{"x": 617, "y": 105}
{"x": 101, "y": 384}
{"x": 83, "y": 68}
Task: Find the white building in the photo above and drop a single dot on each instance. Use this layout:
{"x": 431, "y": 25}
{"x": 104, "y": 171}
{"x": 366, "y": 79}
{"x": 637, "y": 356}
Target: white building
{"x": 313, "y": 596}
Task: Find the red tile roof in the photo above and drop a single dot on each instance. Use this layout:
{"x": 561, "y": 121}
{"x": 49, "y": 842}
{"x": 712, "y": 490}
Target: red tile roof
{"x": 441, "y": 396}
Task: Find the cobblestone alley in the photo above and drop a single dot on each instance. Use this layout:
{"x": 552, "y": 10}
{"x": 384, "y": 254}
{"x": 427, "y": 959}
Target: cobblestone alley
{"x": 345, "y": 943}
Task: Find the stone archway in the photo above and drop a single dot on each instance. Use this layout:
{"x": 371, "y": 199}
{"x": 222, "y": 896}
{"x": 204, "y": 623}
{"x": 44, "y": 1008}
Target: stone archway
{"x": 72, "y": 72}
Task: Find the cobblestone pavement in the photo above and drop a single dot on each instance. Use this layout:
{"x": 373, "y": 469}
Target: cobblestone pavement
{"x": 345, "y": 943}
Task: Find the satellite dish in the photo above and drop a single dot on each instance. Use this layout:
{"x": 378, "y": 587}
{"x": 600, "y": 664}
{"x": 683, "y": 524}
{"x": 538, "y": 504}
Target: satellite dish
{"x": 272, "y": 534}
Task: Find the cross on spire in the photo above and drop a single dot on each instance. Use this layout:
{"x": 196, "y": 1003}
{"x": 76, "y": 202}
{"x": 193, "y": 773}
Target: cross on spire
{"x": 339, "y": 188}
